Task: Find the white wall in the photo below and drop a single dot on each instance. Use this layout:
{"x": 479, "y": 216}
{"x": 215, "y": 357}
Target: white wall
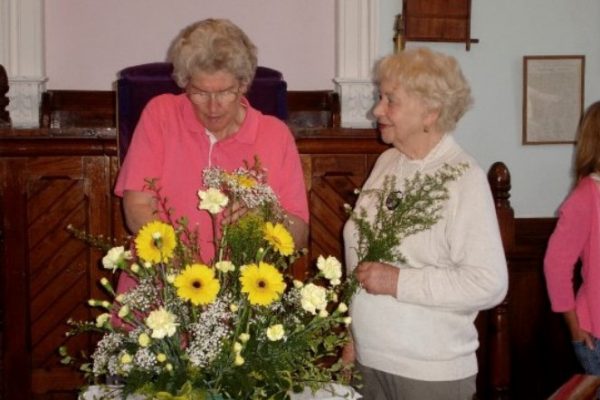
{"x": 492, "y": 130}
{"x": 88, "y": 41}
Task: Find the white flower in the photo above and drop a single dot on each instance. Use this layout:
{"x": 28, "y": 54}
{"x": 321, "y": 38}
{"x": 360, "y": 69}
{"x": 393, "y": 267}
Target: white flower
{"x": 212, "y": 200}
{"x": 347, "y": 321}
{"x": 162, "y": 323}
{"x": 233, "y": 307}
{"x": 244, "y": 337}
{"x": 313, "y": 298}
{"x": 102, "y": 319}
{"x": 275, "y": 332}
{"x": 225, "y": 266}
{"x": 123, "y": 311}
{"x": 144, "y": 340}
{"x": 113, "y": 258}
{"x": 331, "y": 269}
{"x": 126, "y": 358}
{"x": 298, "y": 284}
{"x": 342, "y": 307}
{"x": 323, "y": 313}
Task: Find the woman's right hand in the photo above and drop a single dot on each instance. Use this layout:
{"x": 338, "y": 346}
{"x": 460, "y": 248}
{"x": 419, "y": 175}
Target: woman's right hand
{"x": 578, "y": 334}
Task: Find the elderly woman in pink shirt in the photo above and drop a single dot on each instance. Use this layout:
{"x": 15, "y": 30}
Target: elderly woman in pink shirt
{"x": 577, "y": 237}
{"x": 210, "y": 124}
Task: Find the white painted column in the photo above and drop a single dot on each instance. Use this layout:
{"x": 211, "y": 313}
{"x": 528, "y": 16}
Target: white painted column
{"x": 357, "y": 42}
{"x": 21, "y": 54}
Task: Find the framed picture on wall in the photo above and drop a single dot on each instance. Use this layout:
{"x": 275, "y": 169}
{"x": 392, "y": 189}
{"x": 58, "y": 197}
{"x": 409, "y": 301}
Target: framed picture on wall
{"x": 552, "y": 98}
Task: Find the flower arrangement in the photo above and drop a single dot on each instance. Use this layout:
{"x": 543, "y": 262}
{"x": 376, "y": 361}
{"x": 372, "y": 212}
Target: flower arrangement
{"x": 400, "y": 213}
{"x": 234, "y": 327}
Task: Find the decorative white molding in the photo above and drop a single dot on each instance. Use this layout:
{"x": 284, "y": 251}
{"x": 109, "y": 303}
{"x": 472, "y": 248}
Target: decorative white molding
{"x": 357, "y": 97}
{"x": 25, "y": 95}
{"x": 357, "y": 42}
{"x": 21, "y": 54}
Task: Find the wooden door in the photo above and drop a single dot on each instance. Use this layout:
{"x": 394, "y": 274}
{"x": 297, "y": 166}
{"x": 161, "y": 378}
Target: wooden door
{"x": 47, "y": 275}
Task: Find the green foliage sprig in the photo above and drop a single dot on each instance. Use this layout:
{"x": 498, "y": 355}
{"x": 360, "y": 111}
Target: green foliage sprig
{"x": 400, "y": 214}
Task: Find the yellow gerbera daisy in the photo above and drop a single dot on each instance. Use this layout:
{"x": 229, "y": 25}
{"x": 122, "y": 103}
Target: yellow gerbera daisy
{"x": 197, "y": 283}
{"x": 263, "y": 283}
{"x": 156, "y": 242}
{"x": 279, "y": 238}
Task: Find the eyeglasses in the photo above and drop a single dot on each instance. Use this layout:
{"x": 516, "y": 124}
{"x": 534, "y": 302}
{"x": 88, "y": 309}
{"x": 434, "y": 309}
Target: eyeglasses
{"x": 222, "y": 97}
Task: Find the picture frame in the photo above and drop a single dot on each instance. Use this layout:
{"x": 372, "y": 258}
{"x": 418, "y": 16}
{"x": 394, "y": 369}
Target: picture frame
{"x": 553, "y": 91}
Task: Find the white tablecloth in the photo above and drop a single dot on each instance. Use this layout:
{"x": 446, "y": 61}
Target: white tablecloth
{"x": 331, "y": 392}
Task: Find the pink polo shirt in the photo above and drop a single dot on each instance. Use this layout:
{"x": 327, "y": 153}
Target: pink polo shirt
{"x": 577, "y": 236}
{"x": 171, "y": 145}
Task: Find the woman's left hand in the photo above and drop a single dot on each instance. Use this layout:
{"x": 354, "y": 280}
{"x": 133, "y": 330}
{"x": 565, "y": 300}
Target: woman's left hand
{"x": 234, "y": 213}
{"x": 377, "y": 278}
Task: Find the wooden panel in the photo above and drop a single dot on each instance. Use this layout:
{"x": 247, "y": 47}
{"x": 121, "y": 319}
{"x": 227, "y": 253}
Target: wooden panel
{"x": 437, "y": 21}
{"x": 334, "y": 179}
{"x": 47, "y": 275}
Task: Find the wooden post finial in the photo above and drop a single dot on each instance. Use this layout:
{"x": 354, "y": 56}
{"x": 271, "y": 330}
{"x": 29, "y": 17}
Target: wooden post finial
{"x": 4, "y": 115}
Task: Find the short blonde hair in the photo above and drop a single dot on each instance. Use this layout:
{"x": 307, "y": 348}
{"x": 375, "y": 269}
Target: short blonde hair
{"x": 587, "y": 153}
{"x": 213, "y": 45}
{"x": 433, "y": 77}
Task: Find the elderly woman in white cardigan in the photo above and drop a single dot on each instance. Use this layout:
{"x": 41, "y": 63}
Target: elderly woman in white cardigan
{"x": 413, "y": 322}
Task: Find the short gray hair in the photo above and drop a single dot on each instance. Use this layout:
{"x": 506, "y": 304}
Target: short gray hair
{"x": 434, "y": 77}
{"x": 212, "y": 45}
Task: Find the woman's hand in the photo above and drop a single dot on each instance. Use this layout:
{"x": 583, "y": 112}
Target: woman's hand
{"x": 377, "y": 278}
{"x": 348, "y": 354}
{"x": 235, "y": 212}
{"x": 578, "y": 334}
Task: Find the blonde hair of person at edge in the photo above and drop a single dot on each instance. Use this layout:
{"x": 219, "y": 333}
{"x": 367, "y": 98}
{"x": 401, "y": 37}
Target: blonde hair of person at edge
{"x": 210, "y": 124}
{"x": 413, "y": 328}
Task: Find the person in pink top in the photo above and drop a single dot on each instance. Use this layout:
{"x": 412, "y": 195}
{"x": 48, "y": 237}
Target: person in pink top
{"x": 577, "y": 237}
{"x": 210, "y": 124}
